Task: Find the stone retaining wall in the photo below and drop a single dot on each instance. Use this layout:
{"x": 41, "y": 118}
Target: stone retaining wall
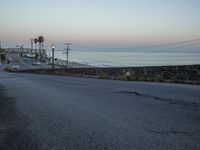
{"x": 187, "y": 73}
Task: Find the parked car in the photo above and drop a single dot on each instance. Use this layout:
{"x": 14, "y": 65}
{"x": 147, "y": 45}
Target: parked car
{"x": 36, "y": 63}
{"x": 15, "y": 67}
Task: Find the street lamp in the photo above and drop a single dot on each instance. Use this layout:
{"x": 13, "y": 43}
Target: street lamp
{"x": 53, "y": 48}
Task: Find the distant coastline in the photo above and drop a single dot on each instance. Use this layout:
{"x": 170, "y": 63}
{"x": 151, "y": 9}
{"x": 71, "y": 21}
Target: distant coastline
{"x": 134, "y": 59}
{"x": 62, "y": 63}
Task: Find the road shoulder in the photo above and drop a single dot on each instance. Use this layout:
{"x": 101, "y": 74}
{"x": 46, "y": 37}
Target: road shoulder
{"x": 14, "y": 132}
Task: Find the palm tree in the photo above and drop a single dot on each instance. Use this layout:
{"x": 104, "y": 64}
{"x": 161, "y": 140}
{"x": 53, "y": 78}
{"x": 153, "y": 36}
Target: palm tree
{"x": 35, "y": 41}
{"x": 40, "y": 40}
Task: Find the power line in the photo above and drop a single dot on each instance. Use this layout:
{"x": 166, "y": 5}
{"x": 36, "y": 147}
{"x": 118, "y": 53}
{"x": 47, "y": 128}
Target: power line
{"x": 173, "y": 43}
{"x": 146, "y": 46}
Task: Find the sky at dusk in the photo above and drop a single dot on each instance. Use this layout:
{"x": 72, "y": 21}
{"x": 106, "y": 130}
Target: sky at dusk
{"x": 103, "y": 22}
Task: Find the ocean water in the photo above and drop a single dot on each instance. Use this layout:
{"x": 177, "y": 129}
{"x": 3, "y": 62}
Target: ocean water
{"x": 123, "y": 59}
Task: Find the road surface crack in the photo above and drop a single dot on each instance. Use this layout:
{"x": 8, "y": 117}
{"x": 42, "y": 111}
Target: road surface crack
{"x": 173, "y": 132}
{"x": 192, "y": 105}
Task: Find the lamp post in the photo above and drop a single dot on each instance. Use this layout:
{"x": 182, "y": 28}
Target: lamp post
{"x": 53, "y": 48}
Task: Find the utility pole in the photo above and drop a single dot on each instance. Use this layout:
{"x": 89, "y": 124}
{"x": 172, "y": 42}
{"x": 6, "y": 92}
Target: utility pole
{"x": 67, "y": 54}
{"x": 0, "y": 44}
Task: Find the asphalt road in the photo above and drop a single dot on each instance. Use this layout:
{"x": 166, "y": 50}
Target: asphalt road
{"x": 64, "y": 113}
{"x": 24, "y": 63}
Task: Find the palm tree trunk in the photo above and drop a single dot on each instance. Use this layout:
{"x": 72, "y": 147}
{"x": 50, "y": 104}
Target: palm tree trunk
{"x": 35, "y": 50}
{"x": 40, "y": 50}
